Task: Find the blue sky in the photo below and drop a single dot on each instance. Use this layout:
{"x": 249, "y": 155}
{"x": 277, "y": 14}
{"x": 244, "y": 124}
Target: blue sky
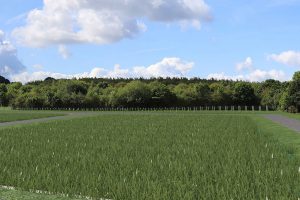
{"x": 252, "y": 40}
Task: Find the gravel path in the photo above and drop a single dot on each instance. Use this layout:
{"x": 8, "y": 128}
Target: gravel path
{"x": 293, "y": 124}
{"x": 31, "y": 121}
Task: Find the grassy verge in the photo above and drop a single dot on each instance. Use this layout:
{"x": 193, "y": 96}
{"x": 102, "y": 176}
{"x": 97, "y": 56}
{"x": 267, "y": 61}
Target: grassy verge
{"x": 291, "y": 115}
{"x": 12, "y": 115}
{"x": 275, "y": 131}
{"x": 6, "y": 194}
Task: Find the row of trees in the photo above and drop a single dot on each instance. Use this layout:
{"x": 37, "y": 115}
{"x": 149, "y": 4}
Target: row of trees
{"x": 156, "y": 92}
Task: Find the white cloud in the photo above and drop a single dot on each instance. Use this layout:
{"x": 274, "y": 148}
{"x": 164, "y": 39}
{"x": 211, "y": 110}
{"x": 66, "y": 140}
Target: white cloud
{"x": 25, "y": 77}
{"x": 1, "y": 35}
{"x": 261, "y": 75}
{"x": 64, "y": 52}
{"x": 118, "y": 72}
{"x": 254, "y": 76}
{"x": 104, "y": 21}
{"x": 289, "y": 58}
{"x": 247, "y": 64}
{"x": 168, "y": 67}
{"x": 223, "y": 76}
{"x": 9, "y": 61}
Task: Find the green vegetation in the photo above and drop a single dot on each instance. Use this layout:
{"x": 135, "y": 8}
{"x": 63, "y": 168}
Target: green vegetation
{"x": 283, "y": 135}
{"x": 292, "y": 115}
{"x": 6, "y": 194}
{"x": 4, "y": 80}
{"x": 151, "y": 155}
{"x": 9, "y": 115}
{"x": 291, "y": 98}
{"x": 132, "y": 93}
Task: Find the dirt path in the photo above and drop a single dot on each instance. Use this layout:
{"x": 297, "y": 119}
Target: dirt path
{"x": 31, "y": 121}
{"x": 293, "y": 124}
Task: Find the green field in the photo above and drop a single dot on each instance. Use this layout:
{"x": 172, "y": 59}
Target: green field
{"x": 12, "y": 115}
{"x": 294, "y": 116}
{"x": 151, "y": 155}
{"x": 6, "y": 194}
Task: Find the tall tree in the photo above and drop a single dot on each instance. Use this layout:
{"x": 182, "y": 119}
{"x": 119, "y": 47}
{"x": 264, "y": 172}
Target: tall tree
{"x": 161, "y": 95}
{"x": 134, "y": 94}
{"x": 244, "y": 94}
{"x": 293, "y": 93}
{"x": 270, "y": 93}
{"x": 4, "y": 80}
{"x": 3, "y": 91}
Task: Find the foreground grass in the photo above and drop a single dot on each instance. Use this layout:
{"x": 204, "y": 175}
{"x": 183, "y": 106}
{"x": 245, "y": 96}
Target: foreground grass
{"x": 7, "y": 115}
{"x": 143, "y": 156}
{"x": 291, "y": 115}
{"x": 21, "y": 195}
{"x": 283, "y": 135}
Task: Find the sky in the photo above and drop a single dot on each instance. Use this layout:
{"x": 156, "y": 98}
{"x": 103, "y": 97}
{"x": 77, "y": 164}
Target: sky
{"x": 223, "y": 39}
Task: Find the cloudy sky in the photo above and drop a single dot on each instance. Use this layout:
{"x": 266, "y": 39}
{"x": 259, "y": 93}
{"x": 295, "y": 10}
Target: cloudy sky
{"x": 250, "y": 40}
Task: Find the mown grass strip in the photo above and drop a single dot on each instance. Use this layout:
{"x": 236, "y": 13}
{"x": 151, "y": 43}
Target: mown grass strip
{"x": 10, "y": 116}
{"x": 283, "y": 135}
{"x": 13, "y": 194}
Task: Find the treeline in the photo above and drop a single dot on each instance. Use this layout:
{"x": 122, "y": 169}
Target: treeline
{"x": 150, "y": 93}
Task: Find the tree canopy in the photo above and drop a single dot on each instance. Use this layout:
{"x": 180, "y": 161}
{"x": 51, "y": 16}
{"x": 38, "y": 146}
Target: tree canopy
{"x": 154, "y": 92}
{"x": 4, "y": 80}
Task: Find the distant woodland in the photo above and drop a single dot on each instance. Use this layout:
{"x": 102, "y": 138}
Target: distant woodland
{"x": 92, "y": 93}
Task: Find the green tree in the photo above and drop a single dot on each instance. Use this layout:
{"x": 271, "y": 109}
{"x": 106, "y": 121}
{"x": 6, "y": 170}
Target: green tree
{"x": 134, "y": 94}
{"x": 294, "y": 94}
{"x": 296, "y": 76}
{"x": 284, "y": 101}
{"x": 203, "y": 94}
{"x": 161, "y": 95}
{"x": 3, "y": 94}
{"x": 77, "y": 87}
{"x": 13, "y": 90}
{"x": 186, "y": 94}
{"x": 244, "y": 94}
{"x": 270, "y": 93}
{"x": 4, "y": 80}
{"x": 221, "y": 94}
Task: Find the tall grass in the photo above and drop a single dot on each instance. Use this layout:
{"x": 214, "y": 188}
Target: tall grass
{"x": 142, "y": 156}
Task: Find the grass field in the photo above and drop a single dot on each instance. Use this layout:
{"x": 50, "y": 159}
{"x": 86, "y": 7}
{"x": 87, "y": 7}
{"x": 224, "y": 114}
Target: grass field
{"x": 291, "y": 115}
{"x": 12, "y": 115}
{"x": 6, "y": 194}
{"x": 275, "y": 131}
{"x": 184, "y": 155}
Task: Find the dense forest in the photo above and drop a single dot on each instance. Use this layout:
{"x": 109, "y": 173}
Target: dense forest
{"x": 92, "y": 93}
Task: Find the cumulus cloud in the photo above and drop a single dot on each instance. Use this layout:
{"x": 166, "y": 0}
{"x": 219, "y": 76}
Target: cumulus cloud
{"x": 9, "y": 61}
{"x": 254, "y": 76}
{"x": 1, "y": 35}
{"x": 261, "y": 75}
{"x": 223, "y": 76}
{"x": 168, "y": 67}
{"x": 64, "y": 51}
{"x": 104, "y": 21}
{"x": 247, "y": 64}
{"x": 289, "y": 58}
